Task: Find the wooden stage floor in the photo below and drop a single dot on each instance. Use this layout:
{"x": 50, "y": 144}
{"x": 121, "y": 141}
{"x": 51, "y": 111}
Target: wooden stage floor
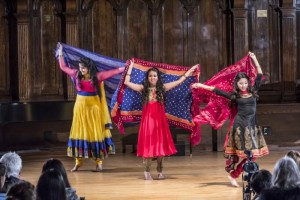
{"x": 201, "y": 176}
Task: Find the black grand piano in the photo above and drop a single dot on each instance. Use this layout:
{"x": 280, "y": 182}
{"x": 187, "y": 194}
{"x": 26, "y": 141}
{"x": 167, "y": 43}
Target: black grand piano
{"x": 24, "y": 125}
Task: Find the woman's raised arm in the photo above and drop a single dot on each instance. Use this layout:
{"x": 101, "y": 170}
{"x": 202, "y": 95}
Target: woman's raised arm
{"x": 133, "y": 86}
{"x": 171, "y": 85}
{"x": 62, "y": 64}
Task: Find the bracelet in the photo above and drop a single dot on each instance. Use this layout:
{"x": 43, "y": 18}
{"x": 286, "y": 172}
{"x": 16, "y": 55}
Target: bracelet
{"x": 60, "y": 55}
{"x": 128, "y": 74}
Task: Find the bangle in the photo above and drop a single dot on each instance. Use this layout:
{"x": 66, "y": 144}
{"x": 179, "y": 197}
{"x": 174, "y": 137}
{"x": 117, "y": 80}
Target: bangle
{"x": 128, "y": 74}
{"x": 60, "y": 55}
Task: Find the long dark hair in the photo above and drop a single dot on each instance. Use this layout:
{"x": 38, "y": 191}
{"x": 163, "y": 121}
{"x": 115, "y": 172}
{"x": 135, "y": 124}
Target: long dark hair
{"x": 236, "y": 91}
{"x": 51, "y": 186}
{"x": 160, "y": 91}
{"x": 90, "y": 65}
{"x": 261, "y": 180}
{"x": 58, "y": 166}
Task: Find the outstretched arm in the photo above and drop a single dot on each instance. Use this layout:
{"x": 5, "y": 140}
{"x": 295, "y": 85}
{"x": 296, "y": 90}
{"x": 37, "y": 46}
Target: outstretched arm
{"x": 255, "y": 61}
{"x": 101, "y": 76}
{"x": 133, "y": 86}
{"x": 200, "y": 85}
{"x": 171, "y": 85}
{"x": 63, "y": 66}
{"x": 213, "y": 89}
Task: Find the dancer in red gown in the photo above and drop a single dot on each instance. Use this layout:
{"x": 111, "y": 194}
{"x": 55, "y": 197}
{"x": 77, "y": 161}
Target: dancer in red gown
{"x": 155, "y": 139}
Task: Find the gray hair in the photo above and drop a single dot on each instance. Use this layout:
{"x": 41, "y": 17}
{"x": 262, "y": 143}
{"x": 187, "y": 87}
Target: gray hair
{"x": 286, "y": 174}
{"x": 13, "y": 164}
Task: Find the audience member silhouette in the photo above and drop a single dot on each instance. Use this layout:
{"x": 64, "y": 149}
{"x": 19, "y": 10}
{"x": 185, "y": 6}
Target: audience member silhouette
{"x": 22, "y": 190}
{"x": 58, "y": 166}
{"x": 13, "y": 164}
{"x": 260, "y": 181}
{"x": 2, "y": 180}
{"x": 285, "y": 181}
{"x": 51, "y": 186}
{"x": 295, "y": 155}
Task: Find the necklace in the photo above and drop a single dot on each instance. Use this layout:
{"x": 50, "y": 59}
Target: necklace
{"x": 86, "y": 77}
{"x": 244, "y": 92}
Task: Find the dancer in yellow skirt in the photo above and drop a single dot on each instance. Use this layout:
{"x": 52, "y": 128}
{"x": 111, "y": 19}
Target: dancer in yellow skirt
{"x": 90, "y": 136}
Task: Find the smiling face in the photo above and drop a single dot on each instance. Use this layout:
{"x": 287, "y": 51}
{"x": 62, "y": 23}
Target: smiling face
{"x": 243, "y": 84}
{"x": 152, "y": 78}
{"x": 84, "y": 70}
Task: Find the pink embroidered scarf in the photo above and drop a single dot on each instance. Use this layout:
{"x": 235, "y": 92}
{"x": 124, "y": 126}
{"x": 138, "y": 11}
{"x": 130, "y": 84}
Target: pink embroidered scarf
{"x": 217, "y": 109}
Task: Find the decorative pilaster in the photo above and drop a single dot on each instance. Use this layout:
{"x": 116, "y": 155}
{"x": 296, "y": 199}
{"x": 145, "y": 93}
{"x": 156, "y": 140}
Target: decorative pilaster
{"x": 288, "y": 50}
{"x": 120, "y": 6}
{"x": 155, "y": 6}
{"x": 225, "y": 36}
{"x": 240, "y": 29}
{"x": 190, "y": 56}
{"x": 86, "y": 24}
{"x": 71, "y": 37}
{"x": 4, "y": 53}
{"x": 298, "y": 38}
{"x": 23, "y": 50}
{"x": 260, "y": 38}
{"x": 71, "y": 17}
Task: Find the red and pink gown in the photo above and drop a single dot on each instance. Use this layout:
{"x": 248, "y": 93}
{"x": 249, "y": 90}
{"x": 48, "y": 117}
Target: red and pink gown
{"x": 155, "y": 139}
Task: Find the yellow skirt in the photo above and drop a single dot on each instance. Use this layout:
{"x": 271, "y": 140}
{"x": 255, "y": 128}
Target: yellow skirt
{"x": 90, "y": 136}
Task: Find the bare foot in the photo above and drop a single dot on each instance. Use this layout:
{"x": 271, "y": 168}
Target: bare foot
{"x": 160, "y": 176}
{"x": 99, "y": 168}
{"x": 75, "y": 168}
{"x": 148, "y": 176}
{"x": 233, "y": 181}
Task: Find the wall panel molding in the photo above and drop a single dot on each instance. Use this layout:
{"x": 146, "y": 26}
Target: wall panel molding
{"x": 214, "y": 34}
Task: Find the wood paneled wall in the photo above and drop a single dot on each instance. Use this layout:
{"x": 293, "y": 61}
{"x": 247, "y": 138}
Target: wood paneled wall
{"x": 4, "y": 55}
{"x": 182, "y": 32}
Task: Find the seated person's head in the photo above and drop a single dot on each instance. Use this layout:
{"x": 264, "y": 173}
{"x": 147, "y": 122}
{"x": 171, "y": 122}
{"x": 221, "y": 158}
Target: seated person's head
{"x": 51, "y": 186}
{"x": 58, "y": 166}
{"x": 295, "y": 155}
{"x": 286, "y": 174}
{"x": 22, "y": 190}
{"x": 260, "y": 180}
{"x": 13, "y": 164}
{"x": 2, "y": 175}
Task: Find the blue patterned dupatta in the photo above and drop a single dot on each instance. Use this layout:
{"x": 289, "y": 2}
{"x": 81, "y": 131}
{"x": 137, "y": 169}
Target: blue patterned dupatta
{"x": 103, "y": 63}
{"x": 126, "y": 104}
